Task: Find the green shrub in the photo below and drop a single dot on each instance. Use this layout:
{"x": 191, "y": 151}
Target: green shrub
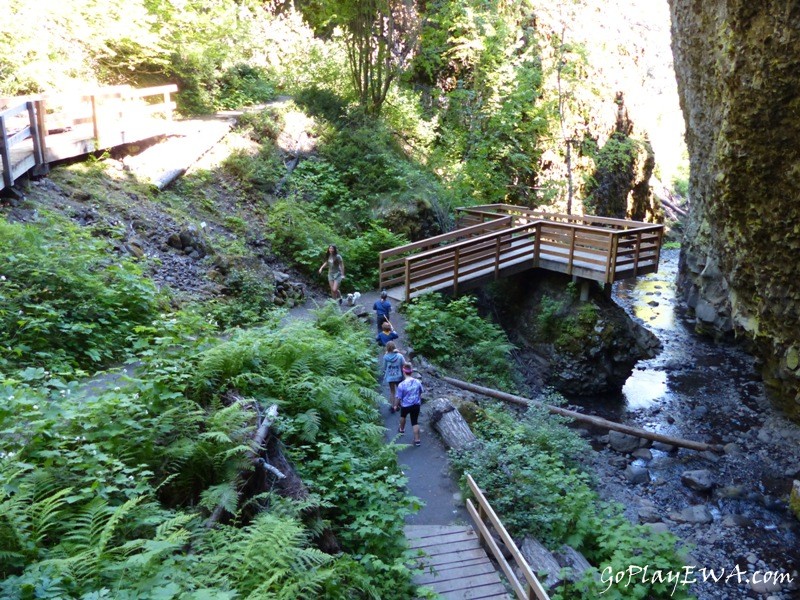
{"x": 321, "y": 102}
{"x": 298, "y": 234}
{"x": 105, "y": 495}
{"x": 257, "y": 172}
{"x": 529, "y": 469}
{"x": 248, "y": 300}
{"x": 262, "y": 126}
{"x": 367, "y": 158}
{"x": 244, "y": 85}
{"x": 65, "y": 299}
{"x": 455, "y": 336}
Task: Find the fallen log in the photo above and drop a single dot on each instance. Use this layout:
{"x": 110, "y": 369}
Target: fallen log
{"x": 674, "y": 206}
{"x": 591, "y": 419}
{"x": 257, "y": 443}
{"x": 450, "y": 425}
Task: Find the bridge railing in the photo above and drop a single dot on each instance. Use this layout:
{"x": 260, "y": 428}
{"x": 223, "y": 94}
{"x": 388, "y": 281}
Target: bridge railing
{"x": 522, "y": 215}
{"x": 392, "y": 262}
{"x": 483, "y": 515}
{"x": 94, "y": 120}
{"x": 18, "y": 124}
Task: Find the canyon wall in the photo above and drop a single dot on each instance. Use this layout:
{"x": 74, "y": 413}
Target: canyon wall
{"x": 737, "y": 63}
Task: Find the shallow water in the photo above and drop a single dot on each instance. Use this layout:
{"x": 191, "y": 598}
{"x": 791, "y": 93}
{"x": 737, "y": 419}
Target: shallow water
{"x": 700, "y": 390}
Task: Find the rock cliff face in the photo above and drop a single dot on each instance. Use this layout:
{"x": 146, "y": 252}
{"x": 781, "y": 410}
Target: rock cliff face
{"x": 738, "y": 63}
{"x": 579, "y": 348}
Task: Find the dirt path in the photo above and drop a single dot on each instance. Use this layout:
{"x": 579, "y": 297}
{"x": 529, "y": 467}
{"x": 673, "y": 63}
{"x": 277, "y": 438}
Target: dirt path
{"x": 427, "y": 466}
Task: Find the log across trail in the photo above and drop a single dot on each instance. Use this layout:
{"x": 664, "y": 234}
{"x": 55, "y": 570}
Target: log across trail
{"x": 591, "y": 419}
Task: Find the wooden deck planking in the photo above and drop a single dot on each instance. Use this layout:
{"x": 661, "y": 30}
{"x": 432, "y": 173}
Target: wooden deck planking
{"x": 454, "y": 564}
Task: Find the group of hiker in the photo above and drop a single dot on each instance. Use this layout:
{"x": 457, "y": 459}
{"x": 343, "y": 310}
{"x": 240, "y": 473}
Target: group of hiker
{"x": 405, "y": 391}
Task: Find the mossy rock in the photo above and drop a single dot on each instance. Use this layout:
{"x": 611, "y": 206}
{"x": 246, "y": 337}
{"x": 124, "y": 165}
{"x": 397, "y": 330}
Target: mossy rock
{"x": 794, "y": 499}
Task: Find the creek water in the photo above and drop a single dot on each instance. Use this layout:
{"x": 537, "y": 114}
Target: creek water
{"x": 706, "y": 391}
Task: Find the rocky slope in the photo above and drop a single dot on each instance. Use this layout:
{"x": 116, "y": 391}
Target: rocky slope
{"x": 736, "y": 62}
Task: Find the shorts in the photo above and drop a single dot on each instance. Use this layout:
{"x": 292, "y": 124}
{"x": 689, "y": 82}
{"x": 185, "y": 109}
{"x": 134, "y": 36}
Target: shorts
{"x": 412, "y": 410}
{"x": 336, "y": 277}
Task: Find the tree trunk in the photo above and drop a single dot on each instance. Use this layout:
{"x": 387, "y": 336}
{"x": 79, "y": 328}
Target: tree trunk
{"x": 591, "y": 419}
{"x": 450, "y": 425}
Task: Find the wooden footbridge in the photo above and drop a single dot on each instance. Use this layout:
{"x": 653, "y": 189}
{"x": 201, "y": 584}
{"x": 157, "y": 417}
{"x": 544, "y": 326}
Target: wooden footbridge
{"x": 44, "y": 128}
{"x": 498, "y": 240}
{"x": 454, "y": 561}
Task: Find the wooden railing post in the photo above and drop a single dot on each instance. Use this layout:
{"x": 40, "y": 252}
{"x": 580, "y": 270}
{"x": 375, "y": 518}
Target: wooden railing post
{"x": 456, "y": 258}
{"x": 95, "y": 119}
{"x": 38, "y": 155}
{"x": 573, "y": 231}
{"x": 612, "y": 258}
{"x": 537, "y": 244}
{"x": 636, "y": 253}
{"x": 497, "y": 257}
{"x": 41, "y": 117}
{"x": 408, "y": 280}
{"x": 5, "y": 151}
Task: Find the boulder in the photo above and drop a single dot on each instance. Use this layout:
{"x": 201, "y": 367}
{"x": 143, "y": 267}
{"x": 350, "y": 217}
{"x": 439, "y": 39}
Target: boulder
{"x": 693, "y": 514}
{"x": 637, "y": 475}
{"x": 700, "y": 480}
{"x": 622, "y": 442}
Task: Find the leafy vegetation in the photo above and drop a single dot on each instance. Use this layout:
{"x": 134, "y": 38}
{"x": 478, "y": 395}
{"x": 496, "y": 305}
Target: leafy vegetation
{"x": 455, "y": 336}
{"x": 66, "y": 300}
{"x": 530, "y": 469}
{"x": 103, "y": 495}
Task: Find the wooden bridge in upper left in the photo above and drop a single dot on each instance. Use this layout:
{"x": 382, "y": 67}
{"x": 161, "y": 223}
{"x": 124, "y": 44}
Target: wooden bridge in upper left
{"x": 44, "y": 128}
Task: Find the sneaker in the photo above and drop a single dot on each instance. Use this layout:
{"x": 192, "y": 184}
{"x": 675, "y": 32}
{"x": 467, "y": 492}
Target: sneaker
{"x": 417, "y": 443}
{"x": 340, "y": 300}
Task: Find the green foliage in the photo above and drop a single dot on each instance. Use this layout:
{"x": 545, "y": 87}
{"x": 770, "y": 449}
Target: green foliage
{"x": 530, "y": 470}
{"x": 454, "y": 335}
{"x": 244, "y": 85}
{"x": 478, "y": 57}
{"x": 248, "y": 300}
{"x": 322, "y": 102}
{"x": 366, "y": 157}
{"x": 65, "y": 299}
{"x": 378, "y": 38}
{"x": 103, "y": 494}
{"x": 258, "y": 172}
{"x": 298, "y": 234}
{"x": 262, "y": 126}
{"x": 319, "y": 182}
{"x": 608, "y": 187}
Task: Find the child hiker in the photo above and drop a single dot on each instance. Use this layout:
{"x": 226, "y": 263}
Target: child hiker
{"x": 393, "y": 363}
{"x": 387, "y": 334}
{"x": 409, "y": 397}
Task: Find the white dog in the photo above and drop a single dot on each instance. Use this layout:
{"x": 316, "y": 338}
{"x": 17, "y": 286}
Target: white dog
{"x": 353, "y": 298}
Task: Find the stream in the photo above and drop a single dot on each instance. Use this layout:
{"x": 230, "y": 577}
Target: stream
{"x": 710, "y": 392}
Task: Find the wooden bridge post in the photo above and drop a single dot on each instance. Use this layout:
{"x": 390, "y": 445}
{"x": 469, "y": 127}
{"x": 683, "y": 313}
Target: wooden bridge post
{"x": 636, "y": 254}
{"x": 5, "y": 152}
{"x": 95, "y": 124}
{"x": 456, "y": 257}
{"x": 41, "y": 119}
{"x": 570, "y": 265}
{"x": 38, "y": 154}
{"x": 408, "y": 280}
{"x": 497, "y": 258}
